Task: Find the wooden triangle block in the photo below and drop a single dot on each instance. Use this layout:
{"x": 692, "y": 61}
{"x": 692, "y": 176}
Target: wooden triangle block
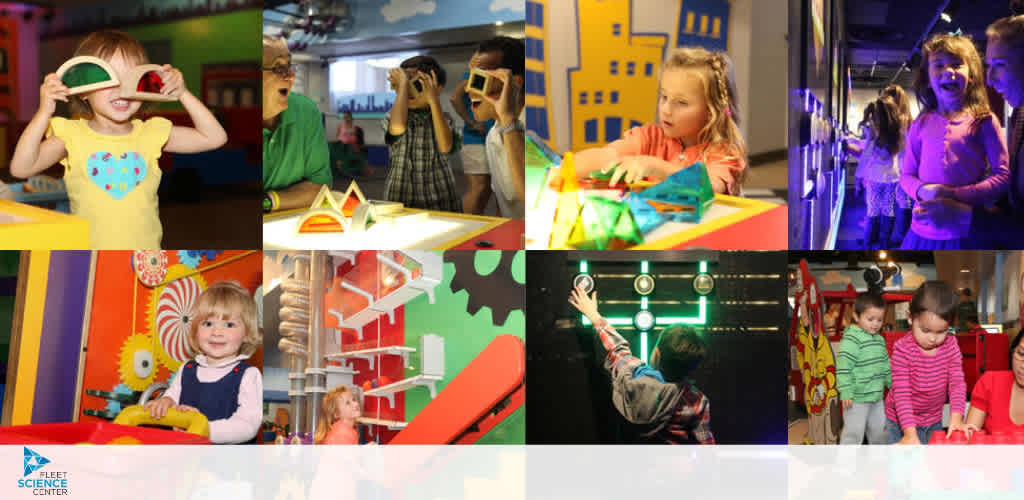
{"x": 351, "y": 199}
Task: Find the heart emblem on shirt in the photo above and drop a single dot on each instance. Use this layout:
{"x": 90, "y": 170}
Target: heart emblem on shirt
{"x": 116, "y": 175}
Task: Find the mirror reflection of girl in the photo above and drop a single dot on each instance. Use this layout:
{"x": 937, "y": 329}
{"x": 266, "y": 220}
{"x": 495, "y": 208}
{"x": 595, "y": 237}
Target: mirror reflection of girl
{"x": 110, "y": 156}
{"x": 338, "y": 413}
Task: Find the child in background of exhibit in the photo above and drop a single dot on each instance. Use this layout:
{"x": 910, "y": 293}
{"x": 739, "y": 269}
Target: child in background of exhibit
{"x": 338, "y": 414}
{"x": 927, "y": 370}
{"x": 473, "y": 154}
{"x": 698, "y": 121}
{"x": 878, "y": 150}
{"x": 504, "y": 58}
{"x": 353, "y": 155}
{"x": 219, "y": 383}
{"x": 862, "y": 373}
{"x": 904, "y": 205}
{"x": 657, "y": 396}
{"x": 110, "y": 157}
{"x": 955, "y": 147}
{"x": 419, "y": 138}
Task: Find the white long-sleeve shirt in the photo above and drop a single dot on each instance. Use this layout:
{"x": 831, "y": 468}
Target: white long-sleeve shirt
{"x": 245, "y": 422}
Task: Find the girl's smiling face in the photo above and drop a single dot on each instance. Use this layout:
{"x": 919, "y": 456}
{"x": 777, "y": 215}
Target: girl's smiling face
{"x": 107, "y": 103}
{"x": 948, "y": 76}
{"x": 682, "y": 106}
{"x": 220, "y": 338}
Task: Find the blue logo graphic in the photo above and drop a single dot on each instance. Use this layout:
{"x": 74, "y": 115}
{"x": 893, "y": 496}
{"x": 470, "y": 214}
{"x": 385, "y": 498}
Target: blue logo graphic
{"x": 34, "y": 461}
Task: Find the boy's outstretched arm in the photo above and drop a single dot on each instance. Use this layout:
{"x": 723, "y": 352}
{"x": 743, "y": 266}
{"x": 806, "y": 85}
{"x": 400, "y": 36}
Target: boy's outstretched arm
{"x": 618, "y": 358}
{"x": 206, "y": 135}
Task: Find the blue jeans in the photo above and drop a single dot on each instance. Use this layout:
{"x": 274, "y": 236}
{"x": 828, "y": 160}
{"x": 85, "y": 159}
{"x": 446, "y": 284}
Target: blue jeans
{"x": 924, "y": 433}
{"x": 861, "y": 418}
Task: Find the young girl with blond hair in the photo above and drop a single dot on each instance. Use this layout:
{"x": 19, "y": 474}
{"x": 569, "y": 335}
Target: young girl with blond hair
{"x": 698, "y": 121}
{"x": 337, "y": 420}
{"x": 218, "y": 382}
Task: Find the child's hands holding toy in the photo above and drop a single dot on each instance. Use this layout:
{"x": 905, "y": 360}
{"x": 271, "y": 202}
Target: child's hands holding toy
{"x": 186, "y": 408}
{"x": 158, "y": 407}
{"x": 51, "y": 91}
{"x": 431, "y": 89}
{"x": 505, "y": 102}
{"x": 174, "y": 82}
{"x": 399, "y": 80}
{"x": 586, "y": 305}
{"x": 634, "y": 168}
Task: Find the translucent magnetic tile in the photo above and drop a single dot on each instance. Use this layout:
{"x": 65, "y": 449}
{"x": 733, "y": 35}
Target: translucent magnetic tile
{"x": 424, "y": 234}
{"x": 669, "y": 228}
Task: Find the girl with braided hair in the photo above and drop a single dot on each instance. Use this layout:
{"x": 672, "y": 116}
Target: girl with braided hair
{"x": 698, "y": 121}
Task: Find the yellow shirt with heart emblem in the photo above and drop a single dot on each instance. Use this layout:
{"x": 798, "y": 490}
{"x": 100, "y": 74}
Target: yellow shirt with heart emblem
{"x": 112, "y": 181}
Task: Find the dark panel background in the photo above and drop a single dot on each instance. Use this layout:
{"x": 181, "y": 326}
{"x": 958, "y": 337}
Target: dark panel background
{"x": 744, "y": 374}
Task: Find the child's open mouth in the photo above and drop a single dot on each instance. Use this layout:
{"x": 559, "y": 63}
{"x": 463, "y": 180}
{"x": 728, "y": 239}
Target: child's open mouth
{"x": 950, "y": 86}
{"x": 283, "y": 91}
{"x": 666, "y": 124}
{"x": 476, "y": 104}
{"x": 120, "y": 104}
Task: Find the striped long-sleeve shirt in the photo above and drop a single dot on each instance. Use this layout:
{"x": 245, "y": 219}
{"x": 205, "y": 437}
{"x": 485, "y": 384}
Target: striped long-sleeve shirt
{"x": 922, "y": 383}
{"x": 862, "y": 367}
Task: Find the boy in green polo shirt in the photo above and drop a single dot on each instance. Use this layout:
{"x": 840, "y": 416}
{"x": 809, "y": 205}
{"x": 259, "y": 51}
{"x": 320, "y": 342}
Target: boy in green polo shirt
{"x": 863, "y": 373}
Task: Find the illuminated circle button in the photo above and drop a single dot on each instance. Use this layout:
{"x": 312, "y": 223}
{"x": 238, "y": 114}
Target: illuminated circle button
{"x": 643, "y": 284}
{"x": 643, "y": 320}
{"x": 584, "y": 281}
{"x": 703, "y": 284}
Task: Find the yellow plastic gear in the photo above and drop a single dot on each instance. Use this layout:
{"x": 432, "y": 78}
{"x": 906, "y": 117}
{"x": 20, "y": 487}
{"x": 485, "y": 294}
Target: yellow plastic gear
{"x": 174, "y": 273}
{"x": 136, "y": 362}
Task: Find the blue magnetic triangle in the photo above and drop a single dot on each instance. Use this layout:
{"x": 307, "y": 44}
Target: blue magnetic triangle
{"x": 34, "y": 461}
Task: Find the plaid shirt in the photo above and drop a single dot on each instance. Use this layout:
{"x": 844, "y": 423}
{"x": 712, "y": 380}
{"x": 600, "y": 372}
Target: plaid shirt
{"x": 691, "y": 417}
{"x": 418, "y": 174}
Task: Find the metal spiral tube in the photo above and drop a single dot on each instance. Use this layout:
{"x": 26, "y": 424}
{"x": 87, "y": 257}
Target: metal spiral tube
{"x": 294, "y": 331}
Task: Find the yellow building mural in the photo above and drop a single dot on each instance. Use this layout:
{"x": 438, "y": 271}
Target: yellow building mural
{"x": 615, "y": 85}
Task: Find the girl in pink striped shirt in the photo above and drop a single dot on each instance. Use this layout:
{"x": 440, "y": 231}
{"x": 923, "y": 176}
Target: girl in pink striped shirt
{"x": 927, "y": 370}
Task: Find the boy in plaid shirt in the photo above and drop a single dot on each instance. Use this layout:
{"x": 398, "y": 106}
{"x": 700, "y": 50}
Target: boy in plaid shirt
{"x": 419, "y": 138}
{"x": 658, "y": 396}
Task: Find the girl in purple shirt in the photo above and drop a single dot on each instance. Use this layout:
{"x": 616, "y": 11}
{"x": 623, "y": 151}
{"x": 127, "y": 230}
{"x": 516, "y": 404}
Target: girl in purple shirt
{"x": 927, "y": 370}
{"x": 953, "y": 143}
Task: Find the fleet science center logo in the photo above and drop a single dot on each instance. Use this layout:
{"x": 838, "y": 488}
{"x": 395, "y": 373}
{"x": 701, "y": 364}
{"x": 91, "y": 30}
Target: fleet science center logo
{"x": 45, "y": 482}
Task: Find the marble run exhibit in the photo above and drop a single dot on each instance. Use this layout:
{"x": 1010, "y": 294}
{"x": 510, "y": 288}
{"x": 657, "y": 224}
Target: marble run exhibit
{"x": 368, "y": 320}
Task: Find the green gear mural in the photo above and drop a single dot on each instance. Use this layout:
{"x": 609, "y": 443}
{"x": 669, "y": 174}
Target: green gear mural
{"x": 498, "y": 290}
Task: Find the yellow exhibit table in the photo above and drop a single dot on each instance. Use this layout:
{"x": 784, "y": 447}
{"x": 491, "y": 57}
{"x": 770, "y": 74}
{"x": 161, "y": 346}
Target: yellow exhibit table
{"x": 25, "y": 227}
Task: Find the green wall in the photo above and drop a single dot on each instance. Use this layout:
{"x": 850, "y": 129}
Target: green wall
{"x": 464, "y": 337}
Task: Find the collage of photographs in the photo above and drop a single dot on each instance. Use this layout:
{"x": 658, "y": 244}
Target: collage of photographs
{"x": 717, "y": 222}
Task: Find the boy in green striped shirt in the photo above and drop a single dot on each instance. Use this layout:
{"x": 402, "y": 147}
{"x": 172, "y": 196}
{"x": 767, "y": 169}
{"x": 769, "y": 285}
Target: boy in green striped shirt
{"x": 862, "y": 373}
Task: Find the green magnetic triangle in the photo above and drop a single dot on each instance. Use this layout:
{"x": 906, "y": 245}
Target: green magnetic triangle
{"x": 627, "y": 230}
